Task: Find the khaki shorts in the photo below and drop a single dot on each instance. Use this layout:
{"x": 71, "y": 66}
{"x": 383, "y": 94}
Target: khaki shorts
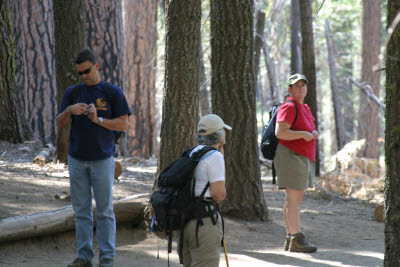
{"x": 293, "y": 170}
{"x": 209, "y": 250}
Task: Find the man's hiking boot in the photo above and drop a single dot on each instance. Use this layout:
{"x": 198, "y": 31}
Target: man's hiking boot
{"x": 106, "y": 262}
{"x": 78, "y": 262}
{"x": 287, "y": 242}
{"x": 299, "y": 244}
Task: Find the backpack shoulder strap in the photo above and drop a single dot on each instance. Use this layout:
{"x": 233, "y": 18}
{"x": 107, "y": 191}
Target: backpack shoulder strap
{"x": 209, "y": 154}
{"x": 297, "y": 111}
{"x": 199, "y": 154}
{"x": 76, "y": 91}
{"x": 108, "y": 91}
{"x": 186, "y": 153}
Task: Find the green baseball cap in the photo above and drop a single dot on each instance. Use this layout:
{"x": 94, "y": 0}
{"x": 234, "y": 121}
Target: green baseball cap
{"x": 295, "y": 78}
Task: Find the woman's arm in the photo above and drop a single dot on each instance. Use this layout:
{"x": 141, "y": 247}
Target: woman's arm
{"x": 283, "y": 131}
{"x": 217, "y": 191}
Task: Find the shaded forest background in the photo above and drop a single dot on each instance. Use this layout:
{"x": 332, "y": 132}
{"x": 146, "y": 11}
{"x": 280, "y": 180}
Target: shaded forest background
{"x": 129, "y": 38}
{"x": 178, "y": 60}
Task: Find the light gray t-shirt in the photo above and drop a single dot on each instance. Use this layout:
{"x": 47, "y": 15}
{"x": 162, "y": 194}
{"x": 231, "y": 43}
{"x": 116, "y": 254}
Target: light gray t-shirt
{"x": 211, "y": 168}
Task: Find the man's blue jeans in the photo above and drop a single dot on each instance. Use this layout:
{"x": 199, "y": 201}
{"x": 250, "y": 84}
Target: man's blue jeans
{"x": 99, "y": 175}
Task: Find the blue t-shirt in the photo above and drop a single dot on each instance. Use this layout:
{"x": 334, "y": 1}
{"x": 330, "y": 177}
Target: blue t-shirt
{"x": 88, "y": 140}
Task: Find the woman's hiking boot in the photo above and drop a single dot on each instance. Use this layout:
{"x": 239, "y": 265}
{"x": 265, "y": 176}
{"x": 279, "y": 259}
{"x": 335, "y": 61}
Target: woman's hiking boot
{"x": 299, "y": 244}
{"x": 287, "y": 242}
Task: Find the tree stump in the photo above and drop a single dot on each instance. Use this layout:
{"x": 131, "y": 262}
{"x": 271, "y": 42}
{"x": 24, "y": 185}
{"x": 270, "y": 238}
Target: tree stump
{"x": 118, "y": 170}
{"x": 380, "y": 213}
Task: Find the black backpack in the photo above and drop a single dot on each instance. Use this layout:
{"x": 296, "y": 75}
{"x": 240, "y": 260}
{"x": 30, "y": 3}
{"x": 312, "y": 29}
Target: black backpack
{"x": 269, "y": 141}
{"x": 109, "y": 97}
{"x": 175, "y": 204}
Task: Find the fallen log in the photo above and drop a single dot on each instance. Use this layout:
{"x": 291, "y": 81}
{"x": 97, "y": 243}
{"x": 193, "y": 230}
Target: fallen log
{"x": 44, "y": 156}
{"x": 63, "y": 219}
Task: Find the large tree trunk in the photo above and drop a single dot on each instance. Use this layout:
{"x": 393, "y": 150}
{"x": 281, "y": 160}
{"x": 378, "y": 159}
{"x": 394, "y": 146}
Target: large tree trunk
{"x": 104, "y": 37}
{"x": 204, "y": 97}
{"x": 13, "y": 126}
{"x": 63, "y": 219}
{"x": 392, "y": 141}
{"x": 234, "y": 99}
{"x": 258, "y": 44}
{"x": 69, "y": 22}
{"x": 339, "y": 126}
{"x": 295, "y": 38}
{"x": 181, "y": 91}
{"x": 104, "y": 33}
{"x": 368, "y": 112}
{"x": 271, "y": 74}
{"x": 140, "y": 29}
{"x": 308, "y": 58}
{"x": 33, "y": 29}
{"x": 347, "y": 100}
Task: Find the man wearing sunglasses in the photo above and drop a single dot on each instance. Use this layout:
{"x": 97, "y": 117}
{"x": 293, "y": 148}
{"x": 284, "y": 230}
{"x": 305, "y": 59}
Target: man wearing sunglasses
{"x": 90, "y": 158}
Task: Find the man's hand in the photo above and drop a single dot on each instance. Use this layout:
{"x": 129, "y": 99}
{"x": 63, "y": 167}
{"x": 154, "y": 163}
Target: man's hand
{"x": 92, "y": 114}
{"x": 64, "y": 117}
{"x": 78, "y": 108}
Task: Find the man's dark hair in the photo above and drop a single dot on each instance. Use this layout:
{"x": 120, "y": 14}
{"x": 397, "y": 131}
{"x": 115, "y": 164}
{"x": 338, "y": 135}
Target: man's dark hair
{"x": 86, "y": 55}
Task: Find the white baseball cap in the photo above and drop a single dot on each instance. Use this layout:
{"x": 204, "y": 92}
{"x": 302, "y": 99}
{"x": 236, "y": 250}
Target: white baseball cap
{"x": 211, "y": 123}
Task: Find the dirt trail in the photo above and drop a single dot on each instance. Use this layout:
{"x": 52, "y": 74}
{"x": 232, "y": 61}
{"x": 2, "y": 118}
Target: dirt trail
{"x": 345, "y": 232}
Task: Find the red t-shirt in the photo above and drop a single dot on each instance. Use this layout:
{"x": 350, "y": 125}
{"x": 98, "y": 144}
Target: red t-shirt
{"x": 304, "y": 122}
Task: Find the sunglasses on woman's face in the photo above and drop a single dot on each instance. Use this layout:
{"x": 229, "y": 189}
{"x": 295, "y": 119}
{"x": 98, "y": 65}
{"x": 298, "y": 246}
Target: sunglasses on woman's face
{"x": 87, "y": 71}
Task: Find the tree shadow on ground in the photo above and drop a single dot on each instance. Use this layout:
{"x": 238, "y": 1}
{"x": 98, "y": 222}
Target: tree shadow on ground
{"x": 322, "y": 258}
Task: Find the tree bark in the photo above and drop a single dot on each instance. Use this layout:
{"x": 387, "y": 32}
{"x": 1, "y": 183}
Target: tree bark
{"x": 63, "y": 219}
{"x": 13, "y": 126}
{"x": 104, "y": 37}
{"x": 308, "y": 58}
{"x": 181, "y": 91}
{"x": 233, "y": 83}
{"x": 295, "y": 38}
{"x": 33, "y": 30}
{"x": 339, "y": 126}
{"x": 392, "y": 141}
{"x": 368, "y": 113}
{"x": 140, "y": 27}
{"x": 69, "y": 27}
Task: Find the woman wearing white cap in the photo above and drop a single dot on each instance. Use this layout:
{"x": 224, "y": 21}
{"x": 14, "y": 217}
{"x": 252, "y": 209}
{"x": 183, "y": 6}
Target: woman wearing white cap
{"x": 211, "y": 168}
{"x": 295, "y": 158}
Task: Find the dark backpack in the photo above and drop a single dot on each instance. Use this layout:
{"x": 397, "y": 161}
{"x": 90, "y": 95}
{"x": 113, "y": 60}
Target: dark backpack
{"x": 269, "y": 141}
{"x": 109, "y": 98}
{"x": 175, "y": 204}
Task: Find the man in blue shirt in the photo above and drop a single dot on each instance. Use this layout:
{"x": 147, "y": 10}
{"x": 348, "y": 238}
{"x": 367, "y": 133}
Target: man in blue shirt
{"x": 96, "y": 109}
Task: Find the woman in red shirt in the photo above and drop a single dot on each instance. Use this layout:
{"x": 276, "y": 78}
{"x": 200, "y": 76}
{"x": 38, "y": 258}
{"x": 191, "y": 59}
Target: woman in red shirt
{"x": 295, "y": 158}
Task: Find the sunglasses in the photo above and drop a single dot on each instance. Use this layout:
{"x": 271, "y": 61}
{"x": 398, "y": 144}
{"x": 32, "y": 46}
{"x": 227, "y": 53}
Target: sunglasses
{"x": 87, "y": 71}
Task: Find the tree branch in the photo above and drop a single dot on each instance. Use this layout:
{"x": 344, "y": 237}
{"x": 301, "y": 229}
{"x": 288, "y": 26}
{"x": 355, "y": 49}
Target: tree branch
{"x": 366, "y": 88}
{"x": 390, "y": 30}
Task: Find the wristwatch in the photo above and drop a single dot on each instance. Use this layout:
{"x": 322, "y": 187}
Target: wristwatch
{"x": 100, "y": 121}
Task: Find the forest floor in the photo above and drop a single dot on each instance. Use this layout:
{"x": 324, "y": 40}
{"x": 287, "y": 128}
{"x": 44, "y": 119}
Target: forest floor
{"x": 344, "y": 231}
